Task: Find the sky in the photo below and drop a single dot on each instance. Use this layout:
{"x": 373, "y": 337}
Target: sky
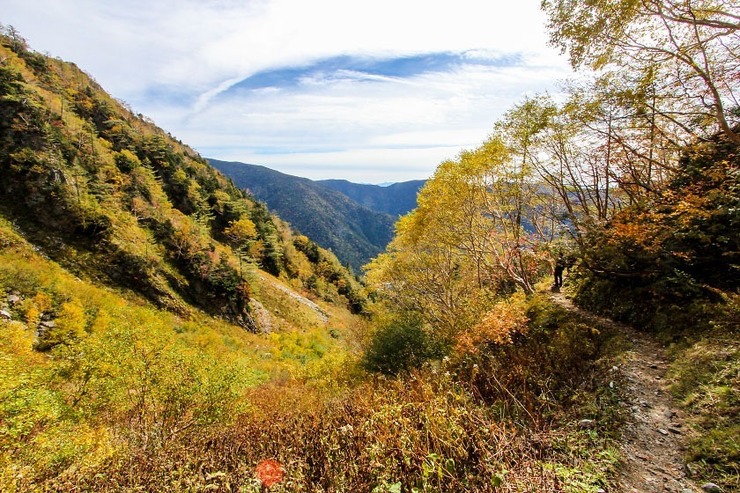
{"x": 368, "y": 91}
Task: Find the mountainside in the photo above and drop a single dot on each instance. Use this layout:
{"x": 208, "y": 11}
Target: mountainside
{"x": 353, "y": 232}
{"x": 130, "y": 269}
{"x": 112, "y": 197}
{"x": 396, "y": 199}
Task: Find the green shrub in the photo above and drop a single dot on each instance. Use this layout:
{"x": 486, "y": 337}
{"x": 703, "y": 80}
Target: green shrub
{"x": 400, "y": 346}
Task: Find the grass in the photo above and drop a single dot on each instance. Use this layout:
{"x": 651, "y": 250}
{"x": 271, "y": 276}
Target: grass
{"x": 705, "y": 375}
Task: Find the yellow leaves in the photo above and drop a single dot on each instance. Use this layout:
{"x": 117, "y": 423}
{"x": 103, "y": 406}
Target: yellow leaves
{"x": 33, "y": 308}
{"x": 195, "y": 194}
{"x": 72, "y": 318}
{"x": 643, "y": 230}
{"x": 186, "y": 237}
{"x": 16, "y": 339}
{"x": 690, "y": 208}
{"x": 628, "y": 231}
{"x": 241, "y": 231}
{"x": 179, "y": 176}
{"x": 498, "y": 326}
{"x": 222, "y": 199}
{"x": 102, "y": 322}
{"x": 127, "y": 159}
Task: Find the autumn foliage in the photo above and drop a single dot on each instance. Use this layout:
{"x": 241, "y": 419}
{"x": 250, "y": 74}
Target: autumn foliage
{"x": 269, "y": 472}
{"x": 675, "y": 253}
{"x": 499, "y": 326}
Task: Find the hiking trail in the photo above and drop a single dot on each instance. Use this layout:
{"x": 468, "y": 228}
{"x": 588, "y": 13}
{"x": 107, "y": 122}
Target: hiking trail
{"x": 652, "y": 438}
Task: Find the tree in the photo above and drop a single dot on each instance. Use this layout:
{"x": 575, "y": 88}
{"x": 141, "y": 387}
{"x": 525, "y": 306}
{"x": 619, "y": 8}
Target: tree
{"x": 479, "y": 230}
{"x": 421, "y": 276}
{"x": 241, "y": 233}
{"x": 657, "y": 263}
{"x": 683, "y": 53}
{"x": 572, "y": 161}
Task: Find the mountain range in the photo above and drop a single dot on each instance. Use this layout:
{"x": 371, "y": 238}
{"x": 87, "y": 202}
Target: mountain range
{"x": 395, "y": 199}
{"x": 115, "y": 199}
{"x": 355, "y": 221}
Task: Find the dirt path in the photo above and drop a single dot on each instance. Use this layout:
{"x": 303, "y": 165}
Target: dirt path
{"x": 652, "y": 440}
{"x": 300, "y": 299}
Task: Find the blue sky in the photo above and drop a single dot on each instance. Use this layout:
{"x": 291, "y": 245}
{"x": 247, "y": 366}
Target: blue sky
{"x": 369, "y": 91}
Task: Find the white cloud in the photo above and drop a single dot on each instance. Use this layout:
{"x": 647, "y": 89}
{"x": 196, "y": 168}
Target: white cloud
{"x": 197, "y": 50}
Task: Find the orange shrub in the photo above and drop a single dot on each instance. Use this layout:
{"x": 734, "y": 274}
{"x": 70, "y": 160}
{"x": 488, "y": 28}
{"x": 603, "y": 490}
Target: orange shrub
{"x": 506, "y": 318}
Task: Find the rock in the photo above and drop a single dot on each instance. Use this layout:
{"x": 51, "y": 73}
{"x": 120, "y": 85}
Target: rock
{"x": 48, "y": 324}
{"x": 668, "y": 413}
{"x": 5, "y": 315}
{"x": 675, "y": 430}
{"x": 672, "y": 485}
{"x": 662, "y": 431}
{"x": 261, "y": 316}
{"x": 586, "y": 424}
{"x": 711, "y": 488}
{"x": 13, "y": 299}
{"x": 692, "y": 469}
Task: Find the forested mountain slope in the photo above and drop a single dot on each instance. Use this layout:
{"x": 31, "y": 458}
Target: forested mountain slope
{"x": 112, "y": 197}
{"x": 396, "y": 199}
{"x": 355, "y": 233}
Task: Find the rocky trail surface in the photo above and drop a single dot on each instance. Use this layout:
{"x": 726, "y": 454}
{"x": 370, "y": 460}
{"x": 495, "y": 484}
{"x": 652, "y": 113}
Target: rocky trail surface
{"x": 652, "y": 440}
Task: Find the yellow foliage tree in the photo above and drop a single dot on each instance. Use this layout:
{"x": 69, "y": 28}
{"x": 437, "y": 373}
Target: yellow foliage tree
{"x": 241, "y": 231}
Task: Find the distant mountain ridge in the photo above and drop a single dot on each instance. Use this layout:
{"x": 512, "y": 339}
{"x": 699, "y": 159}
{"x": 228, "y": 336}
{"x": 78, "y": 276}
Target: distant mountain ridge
{"x": 395, "y": 199}
{"x": 354, "y": 221}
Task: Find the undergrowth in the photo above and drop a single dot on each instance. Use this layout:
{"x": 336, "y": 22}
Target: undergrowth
{"x": 705, "y": 375}
{"x": 138, "y": 399}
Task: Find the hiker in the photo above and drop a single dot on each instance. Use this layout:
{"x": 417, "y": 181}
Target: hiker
{"x": 559, "y": 268}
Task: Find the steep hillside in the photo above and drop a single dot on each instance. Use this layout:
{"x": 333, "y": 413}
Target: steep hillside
{"x": 396, "y": 199}
{"x": 353, "y": 232}
{"x": 111, "y": 197}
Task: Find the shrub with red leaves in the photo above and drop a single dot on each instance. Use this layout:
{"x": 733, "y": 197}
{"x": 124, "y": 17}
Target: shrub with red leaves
{"x": 269, "y": 472}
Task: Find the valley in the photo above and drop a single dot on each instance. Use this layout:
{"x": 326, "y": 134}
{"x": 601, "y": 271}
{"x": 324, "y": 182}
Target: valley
{"x": 175, "y": 323}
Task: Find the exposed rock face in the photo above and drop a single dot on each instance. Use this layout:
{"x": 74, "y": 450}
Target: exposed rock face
{"x": 262, "y": 317}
